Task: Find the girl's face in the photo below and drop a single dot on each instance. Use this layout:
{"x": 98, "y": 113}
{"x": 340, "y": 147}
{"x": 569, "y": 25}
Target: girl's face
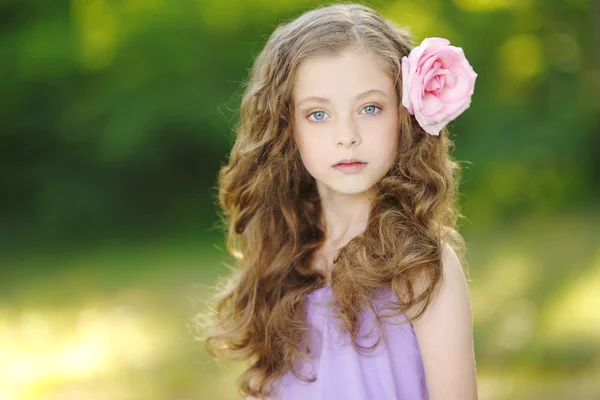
{"x": 345, "y": 107}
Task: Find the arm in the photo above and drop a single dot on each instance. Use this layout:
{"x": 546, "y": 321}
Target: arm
{"x": 445, "y": 336}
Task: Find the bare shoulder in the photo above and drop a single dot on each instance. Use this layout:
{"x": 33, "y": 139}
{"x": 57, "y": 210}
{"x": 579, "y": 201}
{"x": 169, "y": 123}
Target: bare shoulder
{"x": 445, "y": 335}
{"x": 453, "y": 281}
{"x": 452, "y": 267}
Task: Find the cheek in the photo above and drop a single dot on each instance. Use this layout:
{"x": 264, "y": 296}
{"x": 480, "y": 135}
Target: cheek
{"x": 394, "y": 132}
{"x": 393, "y": 140}
{"x": 310, "y": 151}
{"x": 388, "y": 135}
{"x": 388, "y": 142}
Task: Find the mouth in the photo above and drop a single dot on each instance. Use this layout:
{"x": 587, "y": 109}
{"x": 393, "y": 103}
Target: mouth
{"x": 350, "y": 166}
{"x": 349, "y": 161}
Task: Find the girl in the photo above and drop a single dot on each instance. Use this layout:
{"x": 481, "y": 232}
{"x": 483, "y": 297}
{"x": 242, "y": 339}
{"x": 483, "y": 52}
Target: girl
{"x": 340, "y": 201}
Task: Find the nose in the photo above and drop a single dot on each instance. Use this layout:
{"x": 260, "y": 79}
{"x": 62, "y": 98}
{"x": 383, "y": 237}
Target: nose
{"x": 347, "y": 134}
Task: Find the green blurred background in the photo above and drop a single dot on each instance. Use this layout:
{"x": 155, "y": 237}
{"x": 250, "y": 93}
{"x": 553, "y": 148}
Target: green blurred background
{"x": 116, "y": 115}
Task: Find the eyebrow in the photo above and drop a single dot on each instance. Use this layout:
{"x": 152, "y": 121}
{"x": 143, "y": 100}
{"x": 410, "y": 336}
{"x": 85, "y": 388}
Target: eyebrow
{"x": 324, "y": 100}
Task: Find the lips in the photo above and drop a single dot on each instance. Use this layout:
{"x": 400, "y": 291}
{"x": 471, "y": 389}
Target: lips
{"x": 350, "y": 165}
{"x": 349, "y": 161}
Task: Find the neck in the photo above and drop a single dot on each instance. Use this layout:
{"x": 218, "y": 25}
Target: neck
{"x": 344, "y": 215}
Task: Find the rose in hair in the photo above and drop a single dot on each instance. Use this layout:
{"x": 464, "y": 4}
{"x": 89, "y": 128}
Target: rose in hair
{"x": 438, "y": 83}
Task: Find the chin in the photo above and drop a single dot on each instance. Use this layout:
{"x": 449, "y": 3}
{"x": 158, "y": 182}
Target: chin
{"x": 350, "y": 188}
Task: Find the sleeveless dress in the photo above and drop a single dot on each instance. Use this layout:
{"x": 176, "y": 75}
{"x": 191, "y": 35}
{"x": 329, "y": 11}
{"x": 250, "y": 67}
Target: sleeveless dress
{"x": 392, "y": 370}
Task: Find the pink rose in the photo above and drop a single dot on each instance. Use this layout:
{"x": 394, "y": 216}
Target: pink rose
{"x": 438, "y": 83}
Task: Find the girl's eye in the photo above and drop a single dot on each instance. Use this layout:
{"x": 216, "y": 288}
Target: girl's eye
{"x": 371, "y": 109}
{"x": 319, "y": 116}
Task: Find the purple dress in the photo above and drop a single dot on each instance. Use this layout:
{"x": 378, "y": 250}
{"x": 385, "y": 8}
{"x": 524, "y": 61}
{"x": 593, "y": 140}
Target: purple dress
{"x": 392, "y": 370}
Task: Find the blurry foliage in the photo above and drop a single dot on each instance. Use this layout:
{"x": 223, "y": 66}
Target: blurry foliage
{"x": 117, "y": 114}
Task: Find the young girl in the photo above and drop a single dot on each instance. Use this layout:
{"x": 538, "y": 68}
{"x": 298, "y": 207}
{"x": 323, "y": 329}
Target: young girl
{"x": 340, "y": 202}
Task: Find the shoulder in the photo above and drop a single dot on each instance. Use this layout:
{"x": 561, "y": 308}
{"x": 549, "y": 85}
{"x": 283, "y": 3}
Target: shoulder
{"x": 452, "y": 269}
{"x": 445, "y": 335}
{"x": 453, "y": 282}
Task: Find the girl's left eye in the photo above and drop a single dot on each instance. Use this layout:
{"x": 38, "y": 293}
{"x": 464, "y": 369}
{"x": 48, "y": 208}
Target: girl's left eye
{"x": 371, "y": 109}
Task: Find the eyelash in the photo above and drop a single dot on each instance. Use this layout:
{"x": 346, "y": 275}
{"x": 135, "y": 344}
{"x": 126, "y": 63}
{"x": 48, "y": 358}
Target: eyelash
{"x": 369, "y": 115}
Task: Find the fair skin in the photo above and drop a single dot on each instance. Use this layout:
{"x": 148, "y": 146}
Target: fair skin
{"x": 345, "y": 106}
{"x": 351, "y": 124}
{"x": 445, "y": 336}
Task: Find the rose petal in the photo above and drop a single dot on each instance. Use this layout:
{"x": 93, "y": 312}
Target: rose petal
{"x": 415, "y": 55}
{"x": 458, "y": 112}
{"x": 415, "y": 92}
{"x": 462, "y": 86}
{"x": 445, "y": 56}
{"x": 471, "y": 73}
{"x": 431, "y": 104}
{"x": 421, "y": 119}
{"x": 434, "y": 129}
{"x": 405, "y": 85}
{"x": 430, "y": 75}
{"x": 451, "y": 111}
{"x": 436, "y": 83}
{"x": 450, "y": 79}
{"x": 433, "y": 44}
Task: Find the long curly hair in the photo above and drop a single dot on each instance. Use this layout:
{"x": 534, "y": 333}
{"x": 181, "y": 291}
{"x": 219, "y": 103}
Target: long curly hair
{"x": 272, "y": 211}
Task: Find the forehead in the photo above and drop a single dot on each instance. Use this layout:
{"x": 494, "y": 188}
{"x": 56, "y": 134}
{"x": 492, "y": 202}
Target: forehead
{"x": 352, "y": 71}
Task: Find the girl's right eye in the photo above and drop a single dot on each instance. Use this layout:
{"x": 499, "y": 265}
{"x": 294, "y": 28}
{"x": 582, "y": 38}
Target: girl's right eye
{"x": 319, "y": 116}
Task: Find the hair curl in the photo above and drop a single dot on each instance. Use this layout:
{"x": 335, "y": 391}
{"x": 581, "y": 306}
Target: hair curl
{"x": 272, "y": 212}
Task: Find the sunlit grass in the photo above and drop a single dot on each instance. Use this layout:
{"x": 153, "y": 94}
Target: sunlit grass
{"x": 49, "y": 346}
{"x": 579, "y": 303}
{"x": 111, "y": 323}
{"x": 537, "y": 384}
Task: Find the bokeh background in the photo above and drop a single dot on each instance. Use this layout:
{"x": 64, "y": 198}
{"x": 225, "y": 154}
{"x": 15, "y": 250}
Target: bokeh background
{"x": 116, "y": 116}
